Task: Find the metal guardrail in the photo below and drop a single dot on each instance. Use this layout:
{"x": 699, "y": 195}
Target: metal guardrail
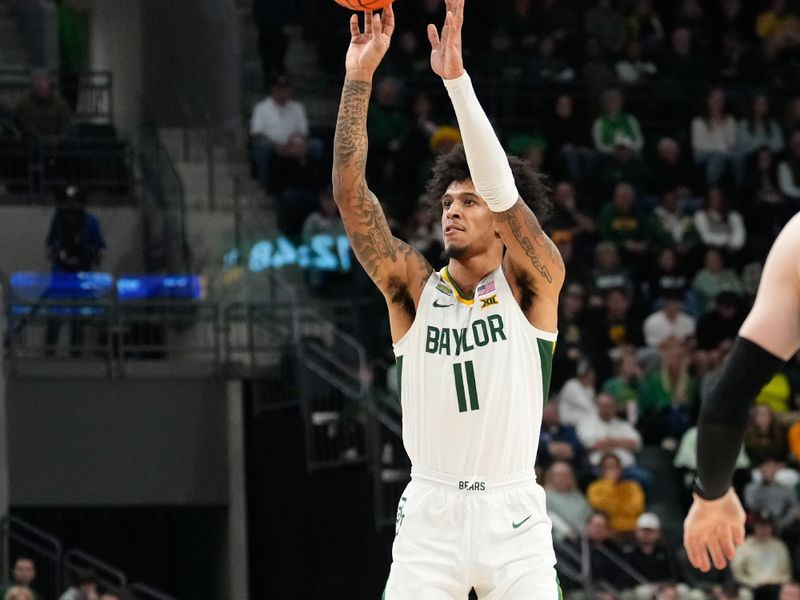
{"x": 576, "y": 564}
{"x": 115, "y": 334}
{"x": 32, "y": 169}
{"x": 56, "y": 568}
{"x": 165, "y": 204}
{"x": 256, "y": 334}
{"x": 77, "y": 561}
{"x": 391, "y": 467}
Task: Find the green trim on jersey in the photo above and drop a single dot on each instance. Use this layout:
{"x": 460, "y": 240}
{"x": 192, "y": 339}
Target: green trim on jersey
{"x": 462, "y": 399}
{"x": 473, "y": 388}
{"x": 546, "y": 351}
{"x": 460, "y": 296}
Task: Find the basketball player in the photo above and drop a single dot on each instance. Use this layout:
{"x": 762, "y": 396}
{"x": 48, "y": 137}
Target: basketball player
{"x": 474, "y": 342}
{"x": 769, "y": 337}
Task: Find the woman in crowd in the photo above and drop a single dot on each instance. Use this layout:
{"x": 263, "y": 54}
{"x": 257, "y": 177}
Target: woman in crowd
{"x": 714, "y": 138}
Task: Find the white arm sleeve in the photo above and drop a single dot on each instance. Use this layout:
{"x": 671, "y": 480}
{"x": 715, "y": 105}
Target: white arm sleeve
{"x": 488, "y": 163}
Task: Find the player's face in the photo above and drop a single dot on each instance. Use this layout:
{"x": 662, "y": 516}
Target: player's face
{"x": 467, "y": 223}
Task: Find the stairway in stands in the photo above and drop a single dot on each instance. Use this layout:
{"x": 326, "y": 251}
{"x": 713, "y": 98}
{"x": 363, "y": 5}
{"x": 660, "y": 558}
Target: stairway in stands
{"x": 13, "y": 52}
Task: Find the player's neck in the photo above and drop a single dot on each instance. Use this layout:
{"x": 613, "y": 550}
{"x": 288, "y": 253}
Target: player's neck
{"x": 467, "y": 273}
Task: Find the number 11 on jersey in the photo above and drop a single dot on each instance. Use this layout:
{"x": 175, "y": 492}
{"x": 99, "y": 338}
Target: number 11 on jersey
{"x": 459, "y": 370}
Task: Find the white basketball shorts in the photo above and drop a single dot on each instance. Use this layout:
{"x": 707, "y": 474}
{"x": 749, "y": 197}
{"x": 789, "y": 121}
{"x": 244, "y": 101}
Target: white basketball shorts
{"x": 454, "y": 533}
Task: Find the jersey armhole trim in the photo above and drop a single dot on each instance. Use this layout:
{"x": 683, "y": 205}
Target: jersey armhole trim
{"x": 542, "y": 335}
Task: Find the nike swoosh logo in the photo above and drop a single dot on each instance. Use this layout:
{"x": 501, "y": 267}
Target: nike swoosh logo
{"x": 437, "y": 305}
{"x": 521, "y": 523}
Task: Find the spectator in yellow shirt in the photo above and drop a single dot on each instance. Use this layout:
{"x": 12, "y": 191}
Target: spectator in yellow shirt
{"x": 779, "y": 29}
{"x": 621, "y": 499}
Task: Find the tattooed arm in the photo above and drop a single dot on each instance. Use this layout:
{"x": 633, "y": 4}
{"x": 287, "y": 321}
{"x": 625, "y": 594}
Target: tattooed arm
{"x": 533, "y": 263}
{"x": 398, "y": 270}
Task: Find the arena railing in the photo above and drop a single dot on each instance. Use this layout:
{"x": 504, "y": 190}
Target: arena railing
{"x": 33, "y": 170}
{"x": 55, "y": 567}
{"x": 391, "y": 468}
{"x": 77, "y": 561}
{"x": 109, "y": 338}
{"x": 95, "y": 93}
{"x": 164, "y": 203}
{"x": 256, "y": 335}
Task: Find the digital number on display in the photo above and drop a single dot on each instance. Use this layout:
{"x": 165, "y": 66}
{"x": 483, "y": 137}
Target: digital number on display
{"x": 322, "y": 253}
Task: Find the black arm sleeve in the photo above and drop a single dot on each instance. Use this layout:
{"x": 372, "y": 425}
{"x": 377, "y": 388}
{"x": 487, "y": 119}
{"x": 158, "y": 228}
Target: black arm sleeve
{"x": 723, "y": 415}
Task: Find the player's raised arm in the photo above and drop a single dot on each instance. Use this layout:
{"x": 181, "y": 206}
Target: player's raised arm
{"x": 397, "y": 269}
{"x": 534, "y": 259}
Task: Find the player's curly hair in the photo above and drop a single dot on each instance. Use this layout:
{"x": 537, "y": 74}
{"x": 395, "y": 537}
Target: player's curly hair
{"x": 532, "y": 186}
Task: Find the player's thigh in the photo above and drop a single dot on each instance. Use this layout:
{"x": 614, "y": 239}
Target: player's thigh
{"x": 427, "y": 555}
{"x": 516, "y": 557}
{"x": 423, "y": 567}
{"x": 540, "y": 583}
{"x": 419, "y": 584}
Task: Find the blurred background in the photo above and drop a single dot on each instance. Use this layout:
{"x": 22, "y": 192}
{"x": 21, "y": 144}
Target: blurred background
{"x": 198, "y": 396}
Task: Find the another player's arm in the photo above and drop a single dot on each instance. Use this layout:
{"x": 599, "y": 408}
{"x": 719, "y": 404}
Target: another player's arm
{"x": 398, "y": 270}
{"x": 536, "y": 267}
{"x": 769, "y": 336}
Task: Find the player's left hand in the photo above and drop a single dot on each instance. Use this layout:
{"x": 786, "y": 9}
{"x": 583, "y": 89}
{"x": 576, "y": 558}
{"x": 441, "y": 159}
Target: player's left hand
{"x": 713, "y": 527}
{"x": 446, "y": 59}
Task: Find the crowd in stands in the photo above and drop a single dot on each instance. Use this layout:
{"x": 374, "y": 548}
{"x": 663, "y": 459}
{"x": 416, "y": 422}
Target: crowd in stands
{"x": 43, "y": 145}
{"x": 670, "y": 132}
{"x": 86, "y": 585}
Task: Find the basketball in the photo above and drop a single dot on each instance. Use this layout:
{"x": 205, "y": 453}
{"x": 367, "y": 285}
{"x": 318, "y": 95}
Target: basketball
{"x": 364, "y": 5}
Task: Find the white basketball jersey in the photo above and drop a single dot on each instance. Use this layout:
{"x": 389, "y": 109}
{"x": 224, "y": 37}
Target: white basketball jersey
{"x": 473, "y": 376}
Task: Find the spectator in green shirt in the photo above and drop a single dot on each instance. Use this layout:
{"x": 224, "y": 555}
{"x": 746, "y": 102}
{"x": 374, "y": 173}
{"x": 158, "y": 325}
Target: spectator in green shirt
{"x": 713, "y": 279}
{"x": 613, "y": 124}
{"x": 668, "y": 397}
{"x": 624, "y": 386}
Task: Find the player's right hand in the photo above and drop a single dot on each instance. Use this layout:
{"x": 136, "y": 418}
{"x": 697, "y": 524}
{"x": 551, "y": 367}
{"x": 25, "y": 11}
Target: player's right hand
{"x": 713, "y": 527}
{"x": 446, "y": 58}
{"x": 367, "y": 49}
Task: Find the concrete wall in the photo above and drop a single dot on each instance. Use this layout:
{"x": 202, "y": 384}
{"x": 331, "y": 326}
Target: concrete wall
{"x": 117, "y": 443}
{"x": 192, "y": 47}
{"x": 117, "y": 38}
{"x": 23, "y": 230}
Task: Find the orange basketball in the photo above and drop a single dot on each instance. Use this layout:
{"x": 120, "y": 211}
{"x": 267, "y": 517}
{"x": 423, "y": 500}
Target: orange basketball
{"x": 364, "y": 5}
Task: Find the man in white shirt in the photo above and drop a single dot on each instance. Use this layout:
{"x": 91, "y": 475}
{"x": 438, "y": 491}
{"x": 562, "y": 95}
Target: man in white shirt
{"x": 275, "y": 120}
{"x": 576, "y": 399}
{"x": 669, "y": 322}
{"x": 608, "y": 433}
